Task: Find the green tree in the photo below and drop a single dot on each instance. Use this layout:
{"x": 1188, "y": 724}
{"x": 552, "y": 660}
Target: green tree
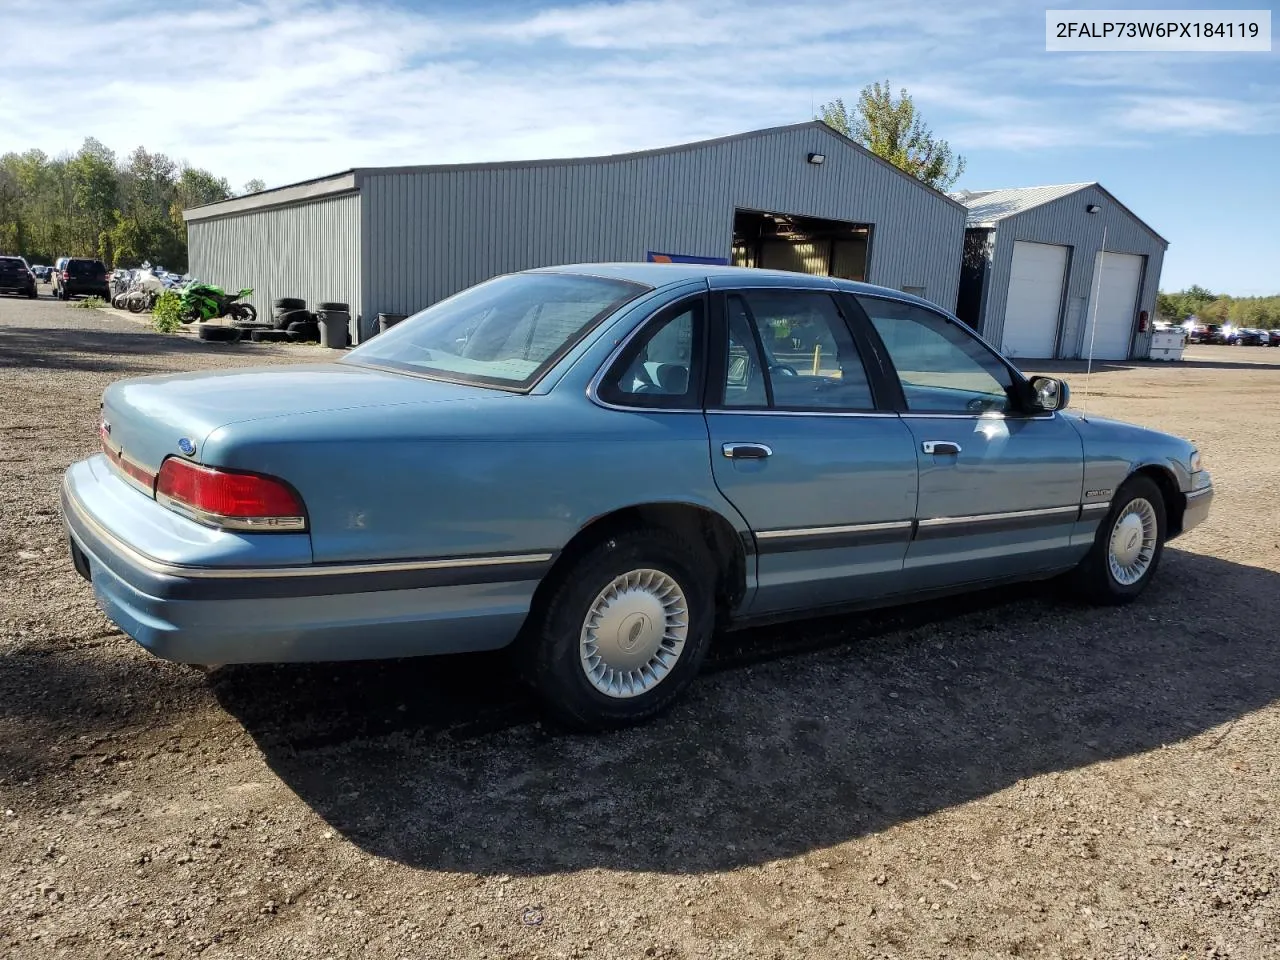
{"x": 892, "y": 128}
{"x": 254, "y": 186}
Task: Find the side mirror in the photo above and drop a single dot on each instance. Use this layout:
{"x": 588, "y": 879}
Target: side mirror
{"x": 1050, "y": 394}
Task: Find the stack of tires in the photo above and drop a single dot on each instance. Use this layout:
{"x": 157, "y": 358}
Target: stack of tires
{"x": 294, "y": 322}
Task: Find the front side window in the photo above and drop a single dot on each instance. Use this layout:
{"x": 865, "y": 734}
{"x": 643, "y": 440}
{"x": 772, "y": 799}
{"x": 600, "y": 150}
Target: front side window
{"x": 791, "y": 350}
{"x": 507, "y": 332}
{"x": 942, "y": 368}
{"x": 661, "y": 366}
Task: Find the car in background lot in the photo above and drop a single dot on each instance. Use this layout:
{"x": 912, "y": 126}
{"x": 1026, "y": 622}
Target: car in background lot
{"x": 41, "y": 271}
{"x": 16, "y": 277}
{"x": 599, "y": 466}
{"x": 1248, "y": 337}
{"x": 1273, "y": 337}
{"x": 1207, "y": 333}
{"x": 81, "y": 277}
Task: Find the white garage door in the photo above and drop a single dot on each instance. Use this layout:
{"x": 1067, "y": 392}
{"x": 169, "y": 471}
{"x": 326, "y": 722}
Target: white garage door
{"x": 1114, "y": 305}
{"x": 1035, "y": 299}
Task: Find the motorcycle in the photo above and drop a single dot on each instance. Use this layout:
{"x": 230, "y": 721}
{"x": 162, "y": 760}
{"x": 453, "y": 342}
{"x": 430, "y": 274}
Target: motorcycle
{"x": 204, "y": 301}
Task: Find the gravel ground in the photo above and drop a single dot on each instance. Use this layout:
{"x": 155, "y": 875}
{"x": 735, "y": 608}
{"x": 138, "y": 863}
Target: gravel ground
{"x": 1004, "y": 775}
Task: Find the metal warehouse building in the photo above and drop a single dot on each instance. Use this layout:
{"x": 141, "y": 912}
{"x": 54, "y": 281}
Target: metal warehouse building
{"x": 397, "y": 239}
{"x": 1039, "y": 282}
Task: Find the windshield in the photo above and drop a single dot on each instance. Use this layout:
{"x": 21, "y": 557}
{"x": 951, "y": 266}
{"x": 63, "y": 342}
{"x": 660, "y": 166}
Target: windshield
{"x": 506, "y": 333}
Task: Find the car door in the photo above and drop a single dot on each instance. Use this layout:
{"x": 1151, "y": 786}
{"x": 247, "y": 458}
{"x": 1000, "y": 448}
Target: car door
{"x": 824, "y": 477}
{"x": 999, "y": 485}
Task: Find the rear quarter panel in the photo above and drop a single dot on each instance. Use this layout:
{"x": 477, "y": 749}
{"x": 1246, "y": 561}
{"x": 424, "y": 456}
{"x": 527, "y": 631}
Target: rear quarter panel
{"x": 522, "y": 475}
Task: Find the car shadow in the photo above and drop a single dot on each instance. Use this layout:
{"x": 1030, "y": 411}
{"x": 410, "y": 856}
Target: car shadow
{"x": 438, "y": 763}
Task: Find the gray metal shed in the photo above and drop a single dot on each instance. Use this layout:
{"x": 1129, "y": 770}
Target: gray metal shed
{"x": 1038, "y": 281}
{"x": 397, "y": 239}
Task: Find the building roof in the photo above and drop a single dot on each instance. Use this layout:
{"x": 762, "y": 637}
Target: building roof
{"x": 989, "y": 207}
{"x": 348, "y": 180}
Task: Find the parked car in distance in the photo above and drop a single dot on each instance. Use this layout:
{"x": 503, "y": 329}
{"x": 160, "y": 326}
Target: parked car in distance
{"x": 16, "y": 277}
{"x": 41, "y": 271}
{"x": 1274, "y": 337}
{"x": 81, "y": 277}
{"x": 600, "y": 466}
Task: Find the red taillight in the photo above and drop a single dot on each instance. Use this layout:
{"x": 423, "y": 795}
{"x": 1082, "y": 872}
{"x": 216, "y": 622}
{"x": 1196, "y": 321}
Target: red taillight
{"x": 144, "y": 478}
{"x": 66, "y": 275}
{"x": 229, "y": 498}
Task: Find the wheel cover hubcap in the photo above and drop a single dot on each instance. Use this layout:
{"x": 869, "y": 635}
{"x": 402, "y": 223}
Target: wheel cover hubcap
{"x": 1133, "y": 542}
{"x": 634, "y": 633}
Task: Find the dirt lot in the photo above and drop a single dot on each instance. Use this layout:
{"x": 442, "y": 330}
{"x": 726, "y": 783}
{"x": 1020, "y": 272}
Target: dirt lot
{"x": 1008, "y": 775}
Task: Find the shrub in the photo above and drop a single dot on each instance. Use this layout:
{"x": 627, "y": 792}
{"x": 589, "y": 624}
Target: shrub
{"x": 90, "y": 303}
{"x": 166, "y": 315}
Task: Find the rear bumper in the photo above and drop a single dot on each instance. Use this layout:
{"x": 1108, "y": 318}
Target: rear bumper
{"x": 216, "y": 615}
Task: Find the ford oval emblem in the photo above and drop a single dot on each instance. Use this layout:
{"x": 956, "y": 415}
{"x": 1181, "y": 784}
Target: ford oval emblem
{"x": 186, "y": 446}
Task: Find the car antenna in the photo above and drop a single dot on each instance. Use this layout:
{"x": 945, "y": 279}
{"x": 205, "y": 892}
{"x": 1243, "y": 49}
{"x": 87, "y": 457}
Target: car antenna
{"x": 1093, "y": 328}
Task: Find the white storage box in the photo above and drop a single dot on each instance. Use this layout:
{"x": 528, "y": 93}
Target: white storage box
{"x": 1167, "y": 345}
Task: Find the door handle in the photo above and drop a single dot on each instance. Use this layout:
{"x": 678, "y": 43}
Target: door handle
{"x": 747, "y": 451}
{"x": 941, "y": 448}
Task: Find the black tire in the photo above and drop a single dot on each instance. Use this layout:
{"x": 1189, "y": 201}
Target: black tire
{"x": 1093, "y": 578}
{"x": 244, "y": 312}
{"x": 549, "y": 650}
{"x": 217, "y": 334}
{"x": 332, "y": 308}
{"x": 33, "y": 294}
{"x": 269, "y": 336}
{"x": 284, "y": 320}
{"x": 284, "y": 304}
{"x": 305, "y": 331}
{"x": 137, "y": 304}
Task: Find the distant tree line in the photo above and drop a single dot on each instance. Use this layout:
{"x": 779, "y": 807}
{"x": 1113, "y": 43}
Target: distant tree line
{"x": 93, "y": 204}
{"x": 1261, "y": 312}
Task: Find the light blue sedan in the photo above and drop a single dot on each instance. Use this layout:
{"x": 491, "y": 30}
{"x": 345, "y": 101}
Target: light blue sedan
{"x": 600, "y": 466}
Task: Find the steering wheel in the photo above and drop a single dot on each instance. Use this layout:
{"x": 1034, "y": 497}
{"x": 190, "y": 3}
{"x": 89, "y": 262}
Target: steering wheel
{"x": 784, "y": 368}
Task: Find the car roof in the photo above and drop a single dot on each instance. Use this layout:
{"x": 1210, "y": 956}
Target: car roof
{"x": 659, "y": 275}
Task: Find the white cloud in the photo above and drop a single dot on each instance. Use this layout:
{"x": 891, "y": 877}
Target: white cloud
{"x": 287, "y": 89}
{"x": 1197, "y": 115}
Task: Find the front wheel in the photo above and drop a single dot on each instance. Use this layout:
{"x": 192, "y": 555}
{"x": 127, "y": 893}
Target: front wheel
{"x": 1128, "y": 546}
{"x": 244, "y": 312}
{"x": 623, "y": 632}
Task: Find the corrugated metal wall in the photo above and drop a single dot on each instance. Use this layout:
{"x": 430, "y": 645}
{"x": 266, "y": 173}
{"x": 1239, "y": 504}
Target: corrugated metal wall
{"x": 430, "y": 233}
{"x": 309, "y": 250}
{"x": 1066, "y": 221}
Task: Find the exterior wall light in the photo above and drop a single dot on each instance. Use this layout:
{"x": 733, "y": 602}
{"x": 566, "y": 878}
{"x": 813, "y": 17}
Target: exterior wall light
{"x": 817, "y": 158}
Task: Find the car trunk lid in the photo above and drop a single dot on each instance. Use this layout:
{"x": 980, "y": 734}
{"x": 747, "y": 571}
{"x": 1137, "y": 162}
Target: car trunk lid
{"x": 148, "y": 419}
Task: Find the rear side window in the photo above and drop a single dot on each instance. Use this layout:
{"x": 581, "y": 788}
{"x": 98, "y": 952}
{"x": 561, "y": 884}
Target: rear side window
{"x": 791, "y": 350}
{"x": 661, "y": 367}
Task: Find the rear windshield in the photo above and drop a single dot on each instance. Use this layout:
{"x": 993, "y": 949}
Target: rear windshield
{"x": 86, "y": 268}
{"x": 506, "y": 333}
{"x": 12, "y": 265}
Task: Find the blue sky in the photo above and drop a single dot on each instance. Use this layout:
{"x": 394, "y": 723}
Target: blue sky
{"x": 290, "y": 89}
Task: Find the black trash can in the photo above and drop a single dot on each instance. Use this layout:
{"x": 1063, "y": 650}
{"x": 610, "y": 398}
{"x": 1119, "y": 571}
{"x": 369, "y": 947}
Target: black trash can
{"x": 335, "y": 328}
{"x": 388, "y": 320}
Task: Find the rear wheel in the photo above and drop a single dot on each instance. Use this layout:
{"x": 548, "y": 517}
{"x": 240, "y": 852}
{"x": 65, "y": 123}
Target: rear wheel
{"x": 1128, "y": 546}
{"x": 622, "y": 633}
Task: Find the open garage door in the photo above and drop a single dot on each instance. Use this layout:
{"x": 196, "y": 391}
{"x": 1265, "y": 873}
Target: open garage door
{"x": 1035, "y": 299}
{"x": 780, "y": 241}
{"x": 1116, "y": 280}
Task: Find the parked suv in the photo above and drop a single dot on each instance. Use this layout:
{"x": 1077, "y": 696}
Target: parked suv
{"x": 16, "y": 277}
{"x": 80, "y": 277}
